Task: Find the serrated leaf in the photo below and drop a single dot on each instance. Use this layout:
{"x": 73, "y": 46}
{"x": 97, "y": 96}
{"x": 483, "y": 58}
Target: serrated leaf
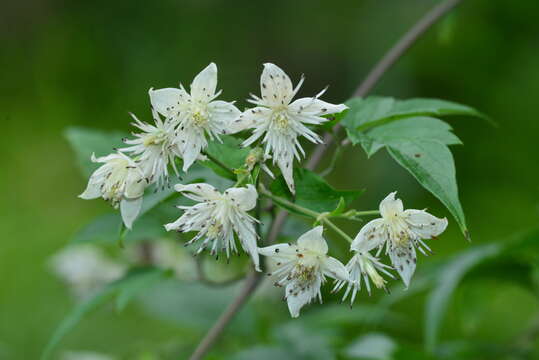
{"x": 419, "y": 144}
{"x": 85, "y": 141}
{"x": 131, "y": 283}
{"x": 365, "y": 113}
{"x": 229, "y": 152}
{"x": 450, "y": 276}
{"x": 312, "y": 192}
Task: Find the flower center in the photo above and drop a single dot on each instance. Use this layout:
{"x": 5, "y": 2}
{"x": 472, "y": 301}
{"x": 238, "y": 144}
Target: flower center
{"x": 154, "y": 139}
{"x": 214, "y": 230}
{"x": 200, "y": 115}
{"x": 114, "y": 184}
{"x": 281, "y": 120}
{"x": 398, "y": 230}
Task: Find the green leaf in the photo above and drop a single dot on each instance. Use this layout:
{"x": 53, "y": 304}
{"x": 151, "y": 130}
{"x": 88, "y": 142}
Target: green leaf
{"x": 133, "y": 283}
{"x": 374, "y": 346}
{"x": 420, "y": 146}
{"x": 85, "y": 141}
{"x": 365, "y": 113}
{"x": 230, "y": 153}
{"x": 312, "y": 192}
{"x": 450, "y": 276}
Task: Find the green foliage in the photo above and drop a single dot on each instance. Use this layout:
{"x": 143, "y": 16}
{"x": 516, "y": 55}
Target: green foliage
{"x": 374, "y": 346}
{"x": 124, "y": 290}
{"x": 312, "y": 192}
{"x": 365, "y": 113}
{"x": 417, "y": 141}
{"x": 229, "y": 152}
{"x": 85, "y": 142}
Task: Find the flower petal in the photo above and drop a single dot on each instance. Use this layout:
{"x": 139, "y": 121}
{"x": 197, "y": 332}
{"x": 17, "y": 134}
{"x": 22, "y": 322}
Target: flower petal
{"x": 314, "y": 241}
{"x": 247, "y": 237}
{"x": 92, "y": 191}
{"x": 285, "y": 162}
{"x": 279, "y": 251}
{"x": 168, "y": 101}
{"x": 134, "y": 184}
{"x": 275, "y": 86}
{"x": 423, "y": 224}
{"x": 335, "y": 269}
{"x": 130, "y": 209}
{"x": 296, "y": 300}
{"x": 191, "y": 142}
{"x": 245, "y": 197}
{"x": 404, "y": 261}
{"x": 251, "y": 118}
{"x": 315, "y": 107}
{"x": 222, "y": 115}
{"x": 390, "y": 206}
{"x": 204, "y": 84}
{"x": 372, "y": 235}
{"x": 198, "y": 192}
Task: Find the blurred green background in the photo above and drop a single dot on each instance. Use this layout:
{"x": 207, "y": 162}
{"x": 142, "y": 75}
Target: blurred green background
{"x": 88, "y": 63}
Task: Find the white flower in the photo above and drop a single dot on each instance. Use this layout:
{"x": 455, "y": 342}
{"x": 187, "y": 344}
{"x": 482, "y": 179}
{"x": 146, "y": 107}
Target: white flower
{"x": 85, "y": 268}
{"x": 154, "y": 149}
{"x": 302, "y": 268}
{"x": 119, "y": 181}
{"x": 218, "y": 216}
{"x": 362, "y": 266}
{"x": 401, "y": 231}
{"x": 280, "y": 122}
{"x": 196, "y": 114}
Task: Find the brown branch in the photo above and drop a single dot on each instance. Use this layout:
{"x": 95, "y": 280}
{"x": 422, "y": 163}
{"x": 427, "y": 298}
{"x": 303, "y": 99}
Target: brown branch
{"x": 254, "y": 279}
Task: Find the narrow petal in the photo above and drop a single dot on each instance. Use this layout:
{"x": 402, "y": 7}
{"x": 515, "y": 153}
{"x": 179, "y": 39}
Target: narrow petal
{"x": 130, "y": 209}
{"x": 167, "y": 101}
{"x": 248, "y": 242}
{"x": 423, "y": 224}
{"x": 250, "y": 118}
{"x": 390, "y": 206}
{"x": 372, "y": 235}
{"x": 404, "y": 261}
{"x": 314, "y": 241}
{"x": 222, "y": 115}
{"x": 245, "y": 197}
{"x": 279, "y": 251}
{"x": 314, "y": 106}
{"x": 198, "y": 192}
{"x": 285, "y": 162}
{"x": 335, "y": 269}
{"x": 275, "y": 86}
{"x": 296, "y": 300}
{"x": 92, "y": 191}
{"x": 204, "y": 84}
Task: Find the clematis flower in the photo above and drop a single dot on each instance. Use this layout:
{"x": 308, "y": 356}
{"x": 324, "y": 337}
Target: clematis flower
{"x": 302, "y": 268}
{"x": 279, "y": 121}
{"x": 119, "y": 181}
{"x": 362, "y": 267}
{"x": 196, "y": 114}
{"x": 401, "y": 231}
{"x": 217, "y": 216}
{"x": 154, "y": 149}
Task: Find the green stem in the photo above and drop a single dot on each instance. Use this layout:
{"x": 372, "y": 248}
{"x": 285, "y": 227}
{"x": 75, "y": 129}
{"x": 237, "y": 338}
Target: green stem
{"x": 219, "y": 163}
{"x": 308, "y": 212}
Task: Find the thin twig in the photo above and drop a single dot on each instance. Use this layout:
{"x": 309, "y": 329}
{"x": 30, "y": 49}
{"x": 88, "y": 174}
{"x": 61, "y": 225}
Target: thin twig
{"x": 372, "y": 78}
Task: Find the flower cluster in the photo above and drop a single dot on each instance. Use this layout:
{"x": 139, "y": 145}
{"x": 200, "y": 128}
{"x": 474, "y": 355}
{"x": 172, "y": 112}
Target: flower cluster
{"x": 184, "y": 123}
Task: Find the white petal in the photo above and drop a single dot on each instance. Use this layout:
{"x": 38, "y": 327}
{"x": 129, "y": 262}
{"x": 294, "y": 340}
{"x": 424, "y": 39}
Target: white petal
{"x": 372, "y": 235}
{"x": 335, "y": 269}
{"x": 222, "y": 115}
{"x": 390, "y": 206}
{"x": 297, "y": 300}
{"x": 250, "y": 118}
{"x": 424, "y": 224}
{"x": 245, "y": 197}
{"x": 248, "y": 242}
{"x": 314, "y": 106}
{"x": 280, "y": 251}
{"x": 204, "y": 84}
{"x": 92, "y": 192}
{"x": 275, "y": 86}
{"x": 134, "y": 184}
{"x": 129, "y": 209}
{"x": 198, "y": 192}
{"x": 314, "y": 241}
{"x": 167, "y": 101}
{"x": 404, "y": 261}
{"x": 285, "y": 161}
{"x": 192, "y": 143}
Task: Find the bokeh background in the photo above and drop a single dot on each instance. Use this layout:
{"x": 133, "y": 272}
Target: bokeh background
{"x": 88, "y": 63}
